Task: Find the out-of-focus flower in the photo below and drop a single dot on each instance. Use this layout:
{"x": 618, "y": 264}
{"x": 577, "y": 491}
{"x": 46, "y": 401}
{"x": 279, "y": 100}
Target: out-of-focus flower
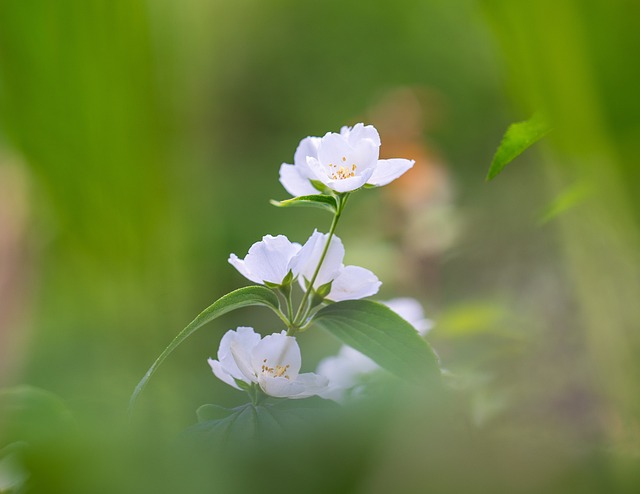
{"x": 348, "y": 282}
{"x": 345, "y": 370}
{"x": 268, "y": 261}
{"x": 411, "y": 311}
{"x": 13, "y": 475}
{"x": 272, "y": 362}
{"x": 342, "y": 162}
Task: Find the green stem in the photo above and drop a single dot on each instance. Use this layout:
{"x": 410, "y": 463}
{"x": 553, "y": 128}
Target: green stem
{"x": 282, "y": 317}
{"x": 284, "y": 292}
{"x": 254, "y": 394}
{"x": 291, "y": 329}
{"x": 302, "y": 309}
{"x": 289, "y": 305}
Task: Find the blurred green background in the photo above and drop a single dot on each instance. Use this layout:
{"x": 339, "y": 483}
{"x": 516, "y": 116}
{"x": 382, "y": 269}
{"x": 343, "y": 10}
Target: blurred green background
{"x": 140, "y": 143}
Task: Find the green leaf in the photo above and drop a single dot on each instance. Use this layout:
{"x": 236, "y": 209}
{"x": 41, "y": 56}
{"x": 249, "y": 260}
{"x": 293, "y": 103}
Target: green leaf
{"x": 382, "y": 335}
{"x": 271, "y": 419}
{"x": 519, "y": 136}
{"x": 234, "y": 427}
{"x": 243, "y": 297}
{"x": 321, "y": 201}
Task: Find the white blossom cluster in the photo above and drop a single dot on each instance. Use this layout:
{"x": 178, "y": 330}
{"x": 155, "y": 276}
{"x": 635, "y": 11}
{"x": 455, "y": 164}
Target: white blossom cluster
{"x": 335, "y": 165}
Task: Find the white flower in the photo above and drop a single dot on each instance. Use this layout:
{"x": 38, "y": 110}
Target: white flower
{"x": 268, "y": 261}
{"x": 348, "y": 282}
{"x": 272, "y": 362}
{"x": 343, "y": 162}
{"x": 346, "y": 369}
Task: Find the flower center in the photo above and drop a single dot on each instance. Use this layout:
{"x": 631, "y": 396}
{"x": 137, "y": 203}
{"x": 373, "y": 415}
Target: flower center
{"x": 277, "y": 371}
{"x": 343, "y": 171}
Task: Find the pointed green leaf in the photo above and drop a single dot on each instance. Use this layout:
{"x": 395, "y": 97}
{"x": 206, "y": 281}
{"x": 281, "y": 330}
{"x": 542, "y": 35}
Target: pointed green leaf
{"x": 321, "y": 201}
{"x": 243, "y": 297}
{"x": 271, "y": 419}
{"x": 519, "y": 136}
{"x": 382, "y": 335}
{"x": 234, "y": 427}
{"x": 238, "y": 425}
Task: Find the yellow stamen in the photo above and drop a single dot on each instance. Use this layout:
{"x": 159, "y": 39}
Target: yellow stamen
{"x": 278, "y": 371}
{"x": 344, "y": 172}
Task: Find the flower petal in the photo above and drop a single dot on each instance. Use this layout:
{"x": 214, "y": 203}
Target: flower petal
{"x": 242, "y": 358}
{"x": 318, "y": 171}
{"x": 354, "y": 283}
{"x": 240, "y": 265}
{"x": 386, "y": 171}
{"x": 351, "y": 183}
{"x": 303, "y": 386}
{"x": 277, "y": 355}
{"x": 222, "y": 374}
{"x": 293, "y": 181}
{"x": 307, "y": 147}
{"x": 306, "y": 261}
{"x": 361, "y": 131}
{"x": 280, "y": 387}
{"x": 235, "y": 346}
{"x": 267, "y": 260}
